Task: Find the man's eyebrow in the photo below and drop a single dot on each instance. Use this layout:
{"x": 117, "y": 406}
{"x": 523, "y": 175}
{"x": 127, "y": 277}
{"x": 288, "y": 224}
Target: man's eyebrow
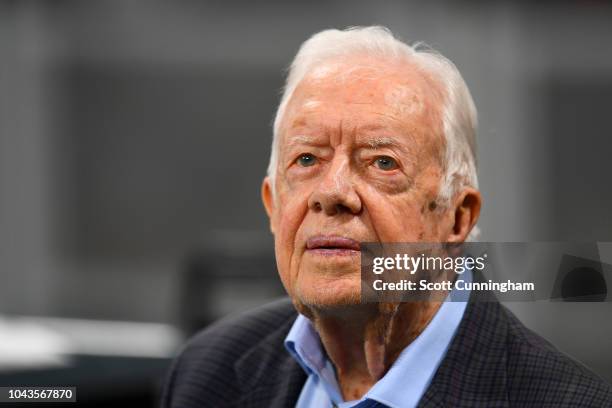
{"x": 371, "y": 142}
{"x": 378, "y": 142}
{"x": 300, "y": 140}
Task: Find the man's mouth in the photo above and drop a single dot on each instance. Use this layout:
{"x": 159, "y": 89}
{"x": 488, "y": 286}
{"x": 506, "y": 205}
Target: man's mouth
{"x": 332, "y": 245}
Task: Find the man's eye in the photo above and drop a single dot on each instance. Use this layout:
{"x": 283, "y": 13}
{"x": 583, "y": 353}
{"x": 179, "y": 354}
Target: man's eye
{"x": 306, "y": 160}
{"x": 385, "y": 163}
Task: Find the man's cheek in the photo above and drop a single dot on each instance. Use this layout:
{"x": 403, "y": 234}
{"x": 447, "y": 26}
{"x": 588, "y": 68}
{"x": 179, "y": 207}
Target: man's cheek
{"x": 289, "y": 218}
{"x": 395, "y": 219}
{"x": 293, "y": 206}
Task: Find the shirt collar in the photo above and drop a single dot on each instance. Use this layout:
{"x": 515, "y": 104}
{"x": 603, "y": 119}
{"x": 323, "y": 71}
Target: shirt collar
{"x": 409, "y": 376}
{"x": 304, "y": 344}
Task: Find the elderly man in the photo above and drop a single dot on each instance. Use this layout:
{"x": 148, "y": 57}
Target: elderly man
{"x": 374, "y": 141}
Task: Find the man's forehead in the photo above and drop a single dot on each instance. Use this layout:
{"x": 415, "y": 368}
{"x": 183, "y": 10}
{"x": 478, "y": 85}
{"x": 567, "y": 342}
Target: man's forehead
{"x": 364, "y": 88}
{"x": 363, "y": 78}
{"x": 377, "y": 102}
{"x": 400, "y": 86}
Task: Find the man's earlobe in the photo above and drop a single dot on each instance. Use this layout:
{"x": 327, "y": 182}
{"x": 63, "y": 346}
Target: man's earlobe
{"x": 267, "y": 197}
{"x": 466, "y": 212}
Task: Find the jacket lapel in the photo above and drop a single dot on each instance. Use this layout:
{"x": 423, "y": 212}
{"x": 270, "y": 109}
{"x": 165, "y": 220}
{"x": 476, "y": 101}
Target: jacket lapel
{"x": 473, "y": 372}
{"x": 268, "y": 375}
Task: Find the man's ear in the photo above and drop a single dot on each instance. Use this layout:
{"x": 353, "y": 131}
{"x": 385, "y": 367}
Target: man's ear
{"x": 466, "y": 212}
{"x": 268, "y": 200}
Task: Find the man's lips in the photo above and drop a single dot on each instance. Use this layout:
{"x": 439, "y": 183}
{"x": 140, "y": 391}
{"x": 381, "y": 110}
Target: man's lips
{"x": 332, "y": 244}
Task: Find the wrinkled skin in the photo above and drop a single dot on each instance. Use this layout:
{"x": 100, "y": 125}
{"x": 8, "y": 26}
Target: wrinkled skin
{"x": 361, "y": 159}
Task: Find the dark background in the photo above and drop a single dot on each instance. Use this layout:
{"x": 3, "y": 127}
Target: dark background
{"x": 134, "y": 137}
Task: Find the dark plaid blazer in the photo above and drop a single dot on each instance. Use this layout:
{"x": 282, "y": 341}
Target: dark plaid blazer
{"x": 493, "y": 361}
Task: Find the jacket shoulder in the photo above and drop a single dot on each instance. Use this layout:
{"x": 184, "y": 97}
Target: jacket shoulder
{"x": 203, "y": 373}
{"x": 541, "y": 375}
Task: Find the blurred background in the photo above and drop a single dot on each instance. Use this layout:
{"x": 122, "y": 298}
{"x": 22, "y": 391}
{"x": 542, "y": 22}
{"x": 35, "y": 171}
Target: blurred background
{"x": 134, "y": 137}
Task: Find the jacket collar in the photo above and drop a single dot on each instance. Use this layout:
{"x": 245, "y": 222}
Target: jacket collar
{"x": 473, "y": 372}
{"x": 267, "y": 374}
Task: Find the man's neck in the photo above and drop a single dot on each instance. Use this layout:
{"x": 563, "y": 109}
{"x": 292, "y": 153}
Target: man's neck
{"x": 363, "y": 341}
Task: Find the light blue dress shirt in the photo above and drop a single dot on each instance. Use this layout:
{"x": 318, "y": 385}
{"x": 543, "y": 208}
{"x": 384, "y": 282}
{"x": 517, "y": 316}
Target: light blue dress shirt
{"x": 407, "y": 379}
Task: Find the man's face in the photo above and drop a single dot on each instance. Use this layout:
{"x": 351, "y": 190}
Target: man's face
{"x": 359, "y": 160}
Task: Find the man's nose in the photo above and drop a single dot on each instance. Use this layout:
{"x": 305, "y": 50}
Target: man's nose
{"x": 335, "y": 194}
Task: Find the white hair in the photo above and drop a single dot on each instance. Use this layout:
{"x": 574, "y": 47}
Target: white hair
{"x": 459, "y": 117}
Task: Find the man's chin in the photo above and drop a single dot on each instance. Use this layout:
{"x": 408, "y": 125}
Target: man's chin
{"x": 329, "y": 296}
